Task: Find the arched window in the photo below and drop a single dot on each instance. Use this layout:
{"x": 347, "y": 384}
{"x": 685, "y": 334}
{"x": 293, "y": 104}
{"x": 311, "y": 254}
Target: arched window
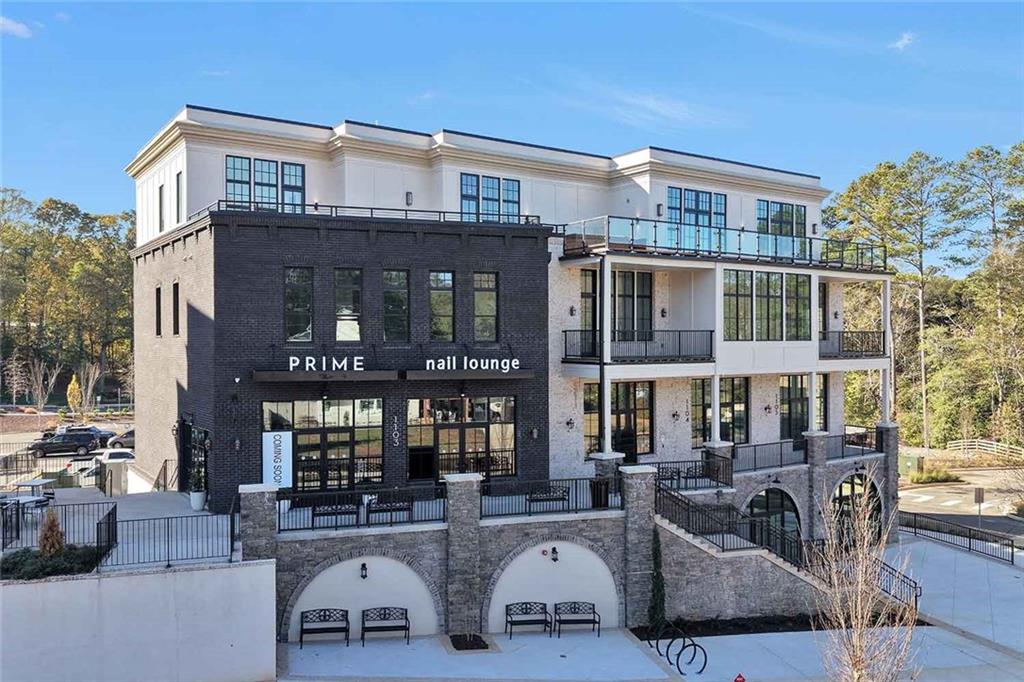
{"x": 854, "y": 490}
{"x": 776, "y": 505}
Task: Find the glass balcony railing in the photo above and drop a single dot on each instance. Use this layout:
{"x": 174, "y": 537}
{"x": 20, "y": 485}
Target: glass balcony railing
{"x": 640, "y": 236}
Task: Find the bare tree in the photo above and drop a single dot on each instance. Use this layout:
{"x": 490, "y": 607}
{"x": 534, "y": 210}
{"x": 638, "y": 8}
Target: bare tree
{"x": 16, "y": 375}
{"x": 127, "y": 377}
{"x": 869, "y": 633}
{"x": 89, "y": 374}
{"x": 41, "y": 380}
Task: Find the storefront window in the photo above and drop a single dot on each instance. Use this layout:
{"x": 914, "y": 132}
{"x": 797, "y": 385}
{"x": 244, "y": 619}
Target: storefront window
{"x": 734, "y": 393}
{"x": 460, "y": 435}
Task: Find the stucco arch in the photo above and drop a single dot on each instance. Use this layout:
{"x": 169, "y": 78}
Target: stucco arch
{"x": 408, "y": 560}
{"x": 545, "y": 542}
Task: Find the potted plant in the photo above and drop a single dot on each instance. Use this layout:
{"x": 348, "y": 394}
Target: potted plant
{"x": 197, "y": 487}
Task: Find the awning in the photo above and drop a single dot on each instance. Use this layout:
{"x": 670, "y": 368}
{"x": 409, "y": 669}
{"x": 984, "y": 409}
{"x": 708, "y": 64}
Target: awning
{"x": 466, "y": 374}
{"x": 284, "y": 376}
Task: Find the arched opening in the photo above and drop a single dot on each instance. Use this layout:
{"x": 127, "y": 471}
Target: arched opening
{"x": 853, "y": 491}
{"x": 388, "y": 582}
{"x": 776, "y": 505}
{"x": 573, "y": 573}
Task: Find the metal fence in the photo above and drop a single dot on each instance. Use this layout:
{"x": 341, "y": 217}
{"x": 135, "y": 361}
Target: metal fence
{"x": 166, "y": 540}
{"x": 69, "y": 471}
{"x": 851, "y": 344}
{"x": 710, "y": 471}
{"x": 754, "y": 456}
{"x": 167, "y": 477}
{"x": 362, "y": 507}
{"x": 77, "y": 521}
{"x": 995, "y": 545}
{"x": 554, "y": 496}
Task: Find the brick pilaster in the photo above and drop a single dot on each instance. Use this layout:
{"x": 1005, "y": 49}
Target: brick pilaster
{"x": 817, "y": 492}
{"x": 606, "y": 464}
{"x": 463, "y": 553}
{"x": 889, "y": 443}
{"x": 638, "y": 491}
{"x": 258, "y": 525}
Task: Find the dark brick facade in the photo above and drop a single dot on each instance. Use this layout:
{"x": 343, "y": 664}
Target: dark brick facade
{"x": 231, "y": 274}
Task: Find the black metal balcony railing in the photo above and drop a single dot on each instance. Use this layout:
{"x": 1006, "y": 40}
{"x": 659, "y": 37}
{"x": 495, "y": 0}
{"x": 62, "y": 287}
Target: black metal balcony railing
{"x": 298, "y": 510}
{"x": 651, "y": 345}
{"x": 335, "y": 211}
{"x": 555, "y": 496}
{"x": 754, "y": 456}
{"x": 853, "y": 344}
{"x": 642, "y": 235}
{"x": 710, "y": 471}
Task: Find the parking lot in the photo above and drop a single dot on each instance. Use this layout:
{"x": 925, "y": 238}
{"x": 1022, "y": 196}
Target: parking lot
{"x": 955, "y": 501}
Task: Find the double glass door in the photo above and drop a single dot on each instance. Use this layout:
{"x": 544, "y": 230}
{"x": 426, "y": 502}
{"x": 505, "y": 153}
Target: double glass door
{"x": 323, "y": 460}
{"x": 461, "y": 449}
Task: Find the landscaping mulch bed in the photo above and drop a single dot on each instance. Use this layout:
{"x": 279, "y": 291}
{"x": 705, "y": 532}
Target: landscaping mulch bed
{"x": 468, "y": 642}
{"x": 742, "y": 626}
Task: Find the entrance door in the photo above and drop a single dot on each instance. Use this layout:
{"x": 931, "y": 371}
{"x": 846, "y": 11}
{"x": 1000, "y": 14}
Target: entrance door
{"x": 474, "y": 450}
{"x": 307, "y": 462}
{"x": 461, "y": 449}
{"x": 337, "y": 460}
{"x": 449, "y": 448}
{"x": 624, "y": 420}
{"x": 323, "y": 461}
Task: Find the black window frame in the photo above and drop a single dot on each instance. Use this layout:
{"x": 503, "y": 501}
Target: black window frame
{"x": 490, "y": 199}
{"x": 719, "y": 210}
{"x": 821, "y": 403}
{"x": 822, "y": 308}
{"x": 309, "y": 307}
{"x": 355, "y": 302}
{"x": 793, "y": 403}
{"x": 510, "y": 197}
{"x": 175, "y": 311}
{"x": 179, "y": 205}
{"x": 798, "y": 307}
{"x": 262, "y": 169}
{"x": 781, "y": 218}
{"x": 768, "y": 310}
{"x": 288, "y": 189}
{"x": 737, "y": 306}
{"x": 389, "y": 316}
{"x": 158, "y": 317}
{"x": 469, "y": 197}
{"x": 762, "y": 216}
{"x": 624, "y": 401}
{"x": 236, "y": 187}
{"x": 436, "y": 289}
{"x": 728, "y": 405}
{"x": 160, "y": 208}
{"x": 674, "y": 204}
{"x": 482, "y": 288}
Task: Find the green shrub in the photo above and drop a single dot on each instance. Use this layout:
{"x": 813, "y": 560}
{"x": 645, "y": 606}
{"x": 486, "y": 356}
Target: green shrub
{"x": 1018, "y": 507}
{"x": 934, "y": 476}
{"x": 62, "y": 413}
{"x": 28, "y": 564}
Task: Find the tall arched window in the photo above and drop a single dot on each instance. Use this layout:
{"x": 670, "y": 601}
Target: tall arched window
{"x": 854, "y": 490}
{"x": 776, "y": 505}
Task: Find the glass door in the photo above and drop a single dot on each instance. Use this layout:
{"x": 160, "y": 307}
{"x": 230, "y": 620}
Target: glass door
{"x": 474, "y": 450}
{"x": 448, "y": 449}
{"x": 337, "y": 460}
{"x": 307, "y": 461}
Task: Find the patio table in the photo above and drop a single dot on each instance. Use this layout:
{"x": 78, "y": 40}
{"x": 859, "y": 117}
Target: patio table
{"x": 35, "y": 484}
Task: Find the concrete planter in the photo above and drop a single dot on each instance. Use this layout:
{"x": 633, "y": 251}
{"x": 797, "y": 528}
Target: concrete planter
{"x": 197, "y": 500}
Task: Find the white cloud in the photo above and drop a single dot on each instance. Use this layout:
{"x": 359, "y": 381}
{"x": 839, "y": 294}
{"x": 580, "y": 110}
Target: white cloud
{"x": 62, "y": 16}
{"x": 423, "y": 97}
{"x": 215, "y": 73}
{"x": 905, "y": 40}
{"x": 779, "y": 31}
{"x": 14, "y": 28}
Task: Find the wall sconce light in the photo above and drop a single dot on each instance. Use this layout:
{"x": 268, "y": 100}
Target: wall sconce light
{"x": 554, "y": 554}
{"x": 362, "y": 571}
{"x": 661, "y": 210}
{"x": 238, "y": 444}
{"x": 775, "y": 481}
{"x": 814, "y": 228}
{"x": 835, "y": 314}
{"x": 675, "y": 416}
{"x": 174, "y": 429}
{"x": 237, "y": 379}
{"x": 534, "y": 433}
{"x": 572, "y": 311}
{"x": 767, "y": 409}
{"x": 408, "y": 198}
{"x": 664, "y": 313}
{"x": 570, "y": 424}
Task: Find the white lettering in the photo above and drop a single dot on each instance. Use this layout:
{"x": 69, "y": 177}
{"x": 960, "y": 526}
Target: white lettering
{"x": 293, "y": 362}
{"x": 337, "y": 365}
{"x": 431, "y": 365}
{"x": 357, "y": 363}
{"x": 310, "y": 363}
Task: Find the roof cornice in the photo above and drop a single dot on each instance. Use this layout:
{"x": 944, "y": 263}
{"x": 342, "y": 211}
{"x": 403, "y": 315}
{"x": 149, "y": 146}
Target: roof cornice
{"x": 660, "y": 169}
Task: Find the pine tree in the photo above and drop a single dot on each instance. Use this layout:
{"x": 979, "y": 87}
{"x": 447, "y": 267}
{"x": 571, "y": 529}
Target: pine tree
{"x": 656, "y": 609}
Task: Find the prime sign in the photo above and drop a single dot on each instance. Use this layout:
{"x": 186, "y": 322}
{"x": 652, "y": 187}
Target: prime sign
{"x": 322, "y": 363}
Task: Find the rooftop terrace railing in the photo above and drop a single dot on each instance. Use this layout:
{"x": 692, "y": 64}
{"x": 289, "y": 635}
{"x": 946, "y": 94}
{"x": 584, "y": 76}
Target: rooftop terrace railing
{"x": 641, "y": 345}
{"x": 336, "y": 211}
{"x": 851, "y": 344}
{"x": 657, "y": 237}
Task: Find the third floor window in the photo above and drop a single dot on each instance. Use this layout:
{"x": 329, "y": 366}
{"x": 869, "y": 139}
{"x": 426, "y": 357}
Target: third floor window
{"x": 775, "y": 217}
{"x": 442, "y": 306}
{"x": 348, "y": 306}
{"x": 696, "y": 207}
{"x": 488, "y": 199}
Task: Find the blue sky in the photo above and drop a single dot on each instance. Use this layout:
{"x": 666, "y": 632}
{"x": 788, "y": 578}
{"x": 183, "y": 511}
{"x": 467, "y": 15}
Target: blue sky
{"x": 828, "y": 89}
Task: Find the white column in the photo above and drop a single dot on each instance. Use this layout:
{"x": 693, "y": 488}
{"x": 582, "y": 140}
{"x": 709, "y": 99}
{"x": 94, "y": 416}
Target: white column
{"x": 716, "y": 410}
{"x": 606, "y": 354}
{"x": 812, "y": 402}
{"x": 886, "y": 387}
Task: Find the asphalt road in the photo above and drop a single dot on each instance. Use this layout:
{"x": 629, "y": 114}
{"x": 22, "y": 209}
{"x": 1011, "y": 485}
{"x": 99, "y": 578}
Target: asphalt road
{"x": 955, "y": 501}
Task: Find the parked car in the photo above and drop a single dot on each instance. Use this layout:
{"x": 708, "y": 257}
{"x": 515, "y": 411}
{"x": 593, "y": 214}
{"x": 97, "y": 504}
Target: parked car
{"x": 113, "y": 455}
{"x": 80, "y": 443}
{"x": 125, "y": 440}
{"x": 100, "y": 434}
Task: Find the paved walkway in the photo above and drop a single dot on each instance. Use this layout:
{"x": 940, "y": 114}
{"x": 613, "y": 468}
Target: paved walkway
{"x": 982, "y": 596}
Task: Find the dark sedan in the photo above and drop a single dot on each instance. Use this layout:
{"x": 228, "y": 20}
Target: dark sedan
{"x": 79, "y": 443}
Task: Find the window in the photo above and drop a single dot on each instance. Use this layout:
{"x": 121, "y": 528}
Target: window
{"x": 793, "y": 408}
{"x": 348, "y": 306}
{"x": 396, "y": 306}
{"x": 718, "y": 211}
{"x": 777, "y": 217}
{"x": 734, "y": 397}
{"x": 298, "y": 304}
{"x": 674, "y": 205}
{"x": 490, "y": 199}
{"x": 175, "y": 313}
{"x": 632, "y": 409}
{"x": 159, "y": 325}
{"x": 470, "y": 197}
{"x": 337, "y": 443}
{"x": 510, "y": 201}
{"x": 696, "y": 208}
{"x": 160, "y": 208}
{"x": 293, "y": 187}
{"x": 237, "y": 174}
{"x": 179, "y": 199}
{"x": 738, "y": 304}
{"x": 777, "y": 507}
{"x": 265, "y": 184}
{"x": 700, "y": 411}
{"x": 798, "y": 307}
{"x": 442, "y": 306}
{"x": 631, "y": 302}
{"x": 821, "y": 404}
{"x": 822, "y": 308}
{"x": 768, "y": 289}
{"x": 461, "y": 435}
{"x": 485, "y": 306}
{"x": 588, "y": 300}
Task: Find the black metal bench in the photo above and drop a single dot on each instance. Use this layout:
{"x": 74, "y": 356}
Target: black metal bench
{"x": 388, "y": 504}
{"x": 385, "y": 619}
{"x": 547, "y": 494}
{"x": 577, "y": 613}
{"x": 527, "y": 613}
{"x": 323, "y": 621}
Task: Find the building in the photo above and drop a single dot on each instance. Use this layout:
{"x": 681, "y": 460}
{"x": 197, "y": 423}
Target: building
{"x": 357, "y": 307}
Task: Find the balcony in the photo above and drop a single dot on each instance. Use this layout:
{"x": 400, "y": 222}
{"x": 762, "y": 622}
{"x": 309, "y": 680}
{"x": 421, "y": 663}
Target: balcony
{"x": 641, "y": 346}
{"x": 335, "y": 211}
{"x": 641, "y": 236}
{"x": 833, "y": 345}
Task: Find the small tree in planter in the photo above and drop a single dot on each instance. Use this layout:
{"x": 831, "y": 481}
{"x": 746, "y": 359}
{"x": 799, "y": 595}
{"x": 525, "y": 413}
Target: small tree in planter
{"x": 51, "y": 537}
{"x": 197, "y": 485}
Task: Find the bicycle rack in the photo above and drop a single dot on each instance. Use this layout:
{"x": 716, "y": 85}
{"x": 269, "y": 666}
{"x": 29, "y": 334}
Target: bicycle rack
{"x": 679, "y": 643}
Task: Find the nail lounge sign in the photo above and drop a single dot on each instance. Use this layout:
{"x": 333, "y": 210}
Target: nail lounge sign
{"x": 452, "y": 363}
